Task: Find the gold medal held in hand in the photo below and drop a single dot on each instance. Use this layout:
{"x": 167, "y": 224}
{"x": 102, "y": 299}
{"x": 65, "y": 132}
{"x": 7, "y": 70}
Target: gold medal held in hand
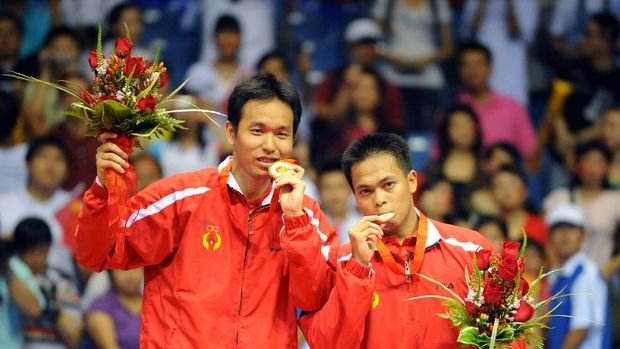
{"x": 280, "y": 167}
{"x": 387, "y": 216}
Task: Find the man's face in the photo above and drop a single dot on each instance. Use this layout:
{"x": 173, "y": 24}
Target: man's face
{"x": 334, "y": 192}
{"x": 48, "y": 168}
{"x": 592, "y": 168}
{"x": 277, "y": 67}
{"x": 475, "y": 70}
{"x": 566, "y": 240}
{"x": 380, "y": 186}
{"x": 264, "y": 136}
{"x": 10, "y": 40}
{"x": 128, "y": 282}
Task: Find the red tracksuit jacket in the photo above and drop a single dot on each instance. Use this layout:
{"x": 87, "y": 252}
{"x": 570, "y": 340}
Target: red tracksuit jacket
{"x": 371, "y": 309}
{"x": 212, "y": 280}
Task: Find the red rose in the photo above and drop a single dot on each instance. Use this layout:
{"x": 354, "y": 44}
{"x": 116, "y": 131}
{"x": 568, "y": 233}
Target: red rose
{"x": 483, "y": 259}
{"x": 146, "y": 103}
{"x": 470, "y": 307}
{"x": 508, "y": 268}
{"x": 525, "y": 312}
{"x": 163, "y": 79}
{"x": 493, "y": 292}
{"x": 135, "y": 64}
{"x": 92, "y": 60}
{"x": 123, "y": 47}
{"x": 510, "y": 249}
{"x": 87, "y": 98}
{"x": 524, "y": 287}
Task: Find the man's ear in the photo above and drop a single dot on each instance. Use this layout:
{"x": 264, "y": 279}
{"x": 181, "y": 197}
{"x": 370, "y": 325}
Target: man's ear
{"x": 230, "y": 132}
{"x": 412, "y": 179}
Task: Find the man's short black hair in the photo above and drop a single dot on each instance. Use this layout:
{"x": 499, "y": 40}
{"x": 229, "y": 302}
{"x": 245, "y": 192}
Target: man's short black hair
{"x": 227, "y": 24}
{"x": 63, "y": 31}
{"x": 376, "y": 144}
{"x": 263, "y": 87}
{"x": 475, "y": 46}
{"x": 38, "y": 143}
{"x": 30, "y": 233}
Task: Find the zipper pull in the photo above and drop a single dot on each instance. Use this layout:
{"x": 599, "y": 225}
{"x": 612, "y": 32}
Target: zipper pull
{"x": 407, "y": 270}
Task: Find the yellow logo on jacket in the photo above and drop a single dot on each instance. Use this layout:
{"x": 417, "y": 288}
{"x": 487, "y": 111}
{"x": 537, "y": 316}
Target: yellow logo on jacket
{"x": 375, "y": 300}
{"x": 212, "y": 240}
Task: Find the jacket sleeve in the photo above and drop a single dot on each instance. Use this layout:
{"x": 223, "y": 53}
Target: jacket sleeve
{"x": 148, "y": 235}
{"x": 307, "y": 241}
{"x": 341, "y": 322}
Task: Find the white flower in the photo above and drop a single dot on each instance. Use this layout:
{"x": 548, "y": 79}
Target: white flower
{"x": 103, "y": 68}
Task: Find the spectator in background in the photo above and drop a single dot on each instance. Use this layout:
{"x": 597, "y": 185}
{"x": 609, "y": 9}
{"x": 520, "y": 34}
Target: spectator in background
{"x": 190, "y": 149}
{"x": 256, "y": 20}
{"x": 594, "y": 81}
{"x": 41, "y": 105}
{"x": 460, "y": 142}
{"x": 419, "y": 38}
{"x": 583, "y": 319}
{"x": 506, "y": 27}
{"x": 493, "y": 228}
{"x": 480, "y": 200}
{"x": 333, "y": 96}
{"x": 590, "y": 191}
{"x": 60, "y": 323}
{"x": 128, "y": 14}
{"x": 12, "y": 154}
{"x": 73, "y": 133}
{"x": 502, "y": 118}
{"x": 509, "y": 187}
{"x": 148, "y": 170}
{"x": 213, "y": 81}
{"x": 48, "y": 161}
{"x": 364, "y": 115}
{"x": 568, "y": 22}
{"x": 11, "y": 33}
{"x": 610, "y": 127}
{"x": 611, "y": 272}
{"x": 17, "y": 298}
{"x": 437, "y": 199}
{"x": 335, "y": 199}
{"x": 113, "y": 320}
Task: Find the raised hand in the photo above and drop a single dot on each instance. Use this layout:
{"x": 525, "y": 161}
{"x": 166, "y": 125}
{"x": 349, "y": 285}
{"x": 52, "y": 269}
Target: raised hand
{"x": 110, "y": 155}
{"x": 363, "y": 236}
{"x": 292, "y": 191}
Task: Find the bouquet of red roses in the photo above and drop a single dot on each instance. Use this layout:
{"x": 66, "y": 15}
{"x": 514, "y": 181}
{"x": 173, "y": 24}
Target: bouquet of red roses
{"x": 499, "y": 307}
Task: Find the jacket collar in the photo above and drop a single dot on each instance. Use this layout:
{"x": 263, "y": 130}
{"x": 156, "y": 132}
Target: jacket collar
{"x": 233, "y": 184}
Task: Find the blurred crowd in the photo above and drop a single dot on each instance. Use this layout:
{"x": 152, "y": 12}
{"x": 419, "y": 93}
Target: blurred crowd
{"x": 511, "y": 109}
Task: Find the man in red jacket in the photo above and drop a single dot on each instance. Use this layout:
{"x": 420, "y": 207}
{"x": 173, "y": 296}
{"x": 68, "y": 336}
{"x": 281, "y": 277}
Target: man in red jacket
{"x": 368, "y": 306}
{"x": 222, "y": 269}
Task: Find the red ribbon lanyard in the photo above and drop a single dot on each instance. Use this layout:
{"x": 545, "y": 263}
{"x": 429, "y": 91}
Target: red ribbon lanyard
{"x": 418, "y": 256}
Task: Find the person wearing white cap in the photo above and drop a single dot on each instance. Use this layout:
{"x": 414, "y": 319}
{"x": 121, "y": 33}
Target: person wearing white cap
{"x": 580, "y": 319}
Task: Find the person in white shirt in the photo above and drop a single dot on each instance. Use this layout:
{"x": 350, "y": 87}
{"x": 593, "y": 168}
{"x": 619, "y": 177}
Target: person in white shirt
{"x": 12, "y": 155}
{"x": 580, "y": 319}
{"x": 48, "y": 160}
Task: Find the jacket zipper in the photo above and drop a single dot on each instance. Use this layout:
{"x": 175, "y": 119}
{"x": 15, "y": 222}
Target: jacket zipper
{"x": 245, "y": 259}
